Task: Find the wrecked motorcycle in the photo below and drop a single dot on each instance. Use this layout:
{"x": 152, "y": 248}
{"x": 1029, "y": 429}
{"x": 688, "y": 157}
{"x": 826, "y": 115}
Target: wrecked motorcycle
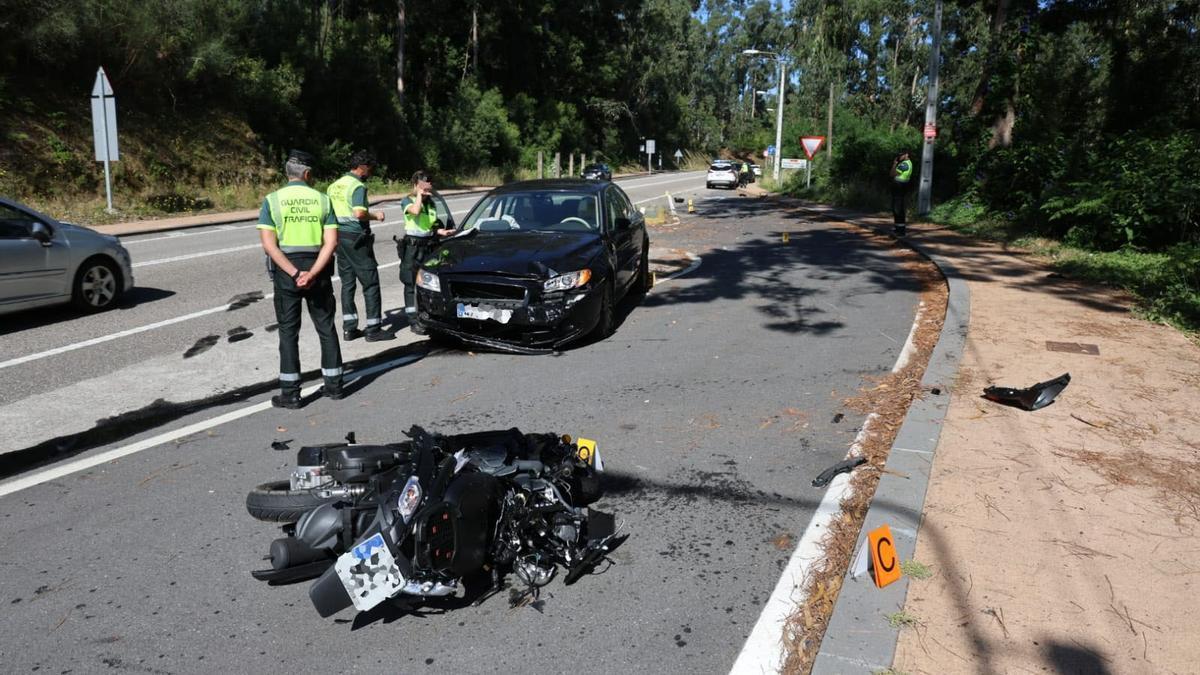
{"x": 421, "y": 518}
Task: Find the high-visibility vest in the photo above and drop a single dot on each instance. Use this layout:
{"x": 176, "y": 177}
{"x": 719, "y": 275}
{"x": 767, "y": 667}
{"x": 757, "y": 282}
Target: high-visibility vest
{"x": 422, "y": 224}
{"x": 904, "y": 171}
{"x": 340, "y": 192}
{"x": 299, "y": 213}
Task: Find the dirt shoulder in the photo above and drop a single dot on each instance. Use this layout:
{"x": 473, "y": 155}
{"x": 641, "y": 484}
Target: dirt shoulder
{"x": 1062, "y": 540}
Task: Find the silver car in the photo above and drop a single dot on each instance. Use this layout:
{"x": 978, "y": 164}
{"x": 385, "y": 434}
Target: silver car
{"x": 45, "y": 262}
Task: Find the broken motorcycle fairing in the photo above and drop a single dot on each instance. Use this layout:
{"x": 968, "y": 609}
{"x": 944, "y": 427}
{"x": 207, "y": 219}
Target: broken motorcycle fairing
{"x": 418, "y": 517}
{"x": 1036, "y": 397}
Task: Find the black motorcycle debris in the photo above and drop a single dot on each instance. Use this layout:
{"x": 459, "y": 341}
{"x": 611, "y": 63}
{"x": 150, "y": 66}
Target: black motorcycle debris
{"x": 425, "y": 517}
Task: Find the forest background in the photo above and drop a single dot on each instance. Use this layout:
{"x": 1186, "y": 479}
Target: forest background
{"x": 1068, "y": 127}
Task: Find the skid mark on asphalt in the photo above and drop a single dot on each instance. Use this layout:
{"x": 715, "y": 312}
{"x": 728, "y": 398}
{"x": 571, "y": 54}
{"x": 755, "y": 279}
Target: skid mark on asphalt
{"x": 244, "y": 300}
{"x": 238, "y": 334}
{"x": 202, "y": 345}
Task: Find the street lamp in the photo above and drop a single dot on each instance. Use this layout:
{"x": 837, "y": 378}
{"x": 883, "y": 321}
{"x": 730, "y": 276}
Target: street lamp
{"x": 778, "y": 107}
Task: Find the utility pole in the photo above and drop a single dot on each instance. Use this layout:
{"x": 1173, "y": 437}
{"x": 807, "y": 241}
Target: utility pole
{"x": 829, "y": 125}
{"x": 926, "y": 186}
{"x": 779, "y": 121}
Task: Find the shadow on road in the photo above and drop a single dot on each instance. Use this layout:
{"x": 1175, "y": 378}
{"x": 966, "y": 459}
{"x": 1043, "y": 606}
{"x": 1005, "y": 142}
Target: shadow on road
{"x": 123, "y": 426}
{"x": 45, "y": 316}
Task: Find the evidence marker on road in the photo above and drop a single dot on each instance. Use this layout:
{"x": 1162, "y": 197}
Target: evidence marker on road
{"x": 878, "y": 555}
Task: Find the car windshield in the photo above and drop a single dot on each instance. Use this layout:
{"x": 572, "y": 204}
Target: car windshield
{"x": 542, "y": 211}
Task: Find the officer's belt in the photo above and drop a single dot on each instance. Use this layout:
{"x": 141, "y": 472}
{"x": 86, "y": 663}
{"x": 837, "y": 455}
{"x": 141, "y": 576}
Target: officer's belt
{"x": 418, "y": 235}
{"x": 300, "y": 249}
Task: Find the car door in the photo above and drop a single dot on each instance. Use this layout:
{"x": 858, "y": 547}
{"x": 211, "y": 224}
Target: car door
{"x": 29, "y": 269}
{"x": 443, "y": 212}
{"x": 621, "y": 230}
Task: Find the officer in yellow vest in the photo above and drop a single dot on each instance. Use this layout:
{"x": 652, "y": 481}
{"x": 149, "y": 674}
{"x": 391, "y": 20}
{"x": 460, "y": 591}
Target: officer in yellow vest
{"x": 356, "y": 249}
{"x": 299, "y": 234}
{"x": 420, "y": 233}
{"x": 902, "y": 170}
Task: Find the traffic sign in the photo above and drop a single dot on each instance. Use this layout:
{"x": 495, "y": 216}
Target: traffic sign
{"x": 678, "y": 155}
{"x": 649, "y": 146}
{"x": 930, "y": 132}
{"x": 811, "y": 144}
{"x": 104, "y": 128}
{"x": 789, "y": 163}
{"x": 770, "y": 150}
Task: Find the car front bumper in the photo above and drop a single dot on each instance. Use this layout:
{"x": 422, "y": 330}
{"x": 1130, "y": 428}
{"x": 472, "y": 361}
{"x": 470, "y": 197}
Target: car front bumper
{"x": 536, "y": 323}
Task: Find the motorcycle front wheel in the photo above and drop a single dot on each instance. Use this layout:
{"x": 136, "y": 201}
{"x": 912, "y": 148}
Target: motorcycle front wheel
{"x": 277, "y": 502}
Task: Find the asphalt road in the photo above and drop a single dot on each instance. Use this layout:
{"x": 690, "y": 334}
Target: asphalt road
{"x": 713, "y": 403}
{"x": 182, "y": 273}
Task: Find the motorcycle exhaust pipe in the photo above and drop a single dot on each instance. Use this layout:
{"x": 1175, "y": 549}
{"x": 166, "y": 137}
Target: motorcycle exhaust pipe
{"x": 291, "y": 552}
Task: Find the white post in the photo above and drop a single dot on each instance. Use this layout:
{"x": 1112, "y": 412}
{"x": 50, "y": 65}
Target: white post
{"x": 779, "y": 122}
{"x": 808, "y": 176}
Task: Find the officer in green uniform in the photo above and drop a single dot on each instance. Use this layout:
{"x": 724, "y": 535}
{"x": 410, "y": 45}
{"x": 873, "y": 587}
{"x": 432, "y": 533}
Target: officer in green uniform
{"x": 356, "y": 249}
{"x": 420, "y": 233}
{"x": 299, "y": 234}
{"x": 902, "y": 170}
{"x": 744, "y": 176}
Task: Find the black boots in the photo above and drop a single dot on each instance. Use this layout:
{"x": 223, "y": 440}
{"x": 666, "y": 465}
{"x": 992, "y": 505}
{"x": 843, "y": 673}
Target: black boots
{"x": 290, "y": 401}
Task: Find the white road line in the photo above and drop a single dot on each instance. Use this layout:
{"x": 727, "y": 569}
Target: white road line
{"x": 191, "y": 256}
{"x": 134, "y": 331}
{"x": 763, "y": 651}
{"x": 78, "y": 465}
{"x": 18, "y": 484}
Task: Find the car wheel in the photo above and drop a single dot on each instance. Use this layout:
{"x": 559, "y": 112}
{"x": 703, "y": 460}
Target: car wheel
{"x": 96, "y": 285}
{"x": 604, "y": 326}
{"x": 644, "y": 281}
{"x": 708, "y": 186}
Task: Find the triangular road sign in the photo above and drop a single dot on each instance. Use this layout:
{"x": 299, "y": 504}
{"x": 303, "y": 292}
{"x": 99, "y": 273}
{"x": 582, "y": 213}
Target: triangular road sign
{"x": 811, "y": 144}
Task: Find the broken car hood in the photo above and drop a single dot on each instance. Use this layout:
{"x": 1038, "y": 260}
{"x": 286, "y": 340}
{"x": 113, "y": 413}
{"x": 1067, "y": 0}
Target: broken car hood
{"x": 523, "y": 254}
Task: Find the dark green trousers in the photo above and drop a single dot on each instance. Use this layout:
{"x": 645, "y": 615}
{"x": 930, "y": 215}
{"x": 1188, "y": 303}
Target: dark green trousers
{"x": 356, "y": 264}
{"x": 413, "y": 252}
{"x": 321, "y": 309}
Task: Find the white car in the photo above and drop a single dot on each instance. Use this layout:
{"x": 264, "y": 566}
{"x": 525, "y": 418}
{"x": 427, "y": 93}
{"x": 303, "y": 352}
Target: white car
{"x": 45, "y": 262}
{"x": 721, "y": 174}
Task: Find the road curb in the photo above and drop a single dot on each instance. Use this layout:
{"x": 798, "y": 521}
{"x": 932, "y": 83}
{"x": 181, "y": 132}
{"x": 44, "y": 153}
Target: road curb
{"x": 135, "y": 227}
{"x": 858, "y": 637}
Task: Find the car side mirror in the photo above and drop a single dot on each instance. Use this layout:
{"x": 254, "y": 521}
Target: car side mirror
{"x": 39, "y": 231}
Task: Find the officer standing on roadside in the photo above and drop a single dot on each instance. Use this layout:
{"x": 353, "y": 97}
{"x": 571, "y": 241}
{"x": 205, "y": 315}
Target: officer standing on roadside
{"x": 420, "y": 230}
{"x": 902, "y": 170}
{"x": 356, "y": 249}
{"x": 299, "y": 234}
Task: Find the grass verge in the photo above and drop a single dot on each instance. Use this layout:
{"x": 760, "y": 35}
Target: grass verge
{"x": 1166, "y": 283}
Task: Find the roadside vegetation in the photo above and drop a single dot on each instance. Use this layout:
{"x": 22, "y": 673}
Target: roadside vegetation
{"x": 1068, "y": 130}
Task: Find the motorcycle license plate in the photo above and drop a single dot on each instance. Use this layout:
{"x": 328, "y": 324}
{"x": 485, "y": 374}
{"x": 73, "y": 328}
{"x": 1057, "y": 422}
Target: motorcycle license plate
{"x": 369, "y": 573}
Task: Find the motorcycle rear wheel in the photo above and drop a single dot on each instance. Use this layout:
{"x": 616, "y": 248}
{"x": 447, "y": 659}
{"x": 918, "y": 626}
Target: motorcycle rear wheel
{"x": 277, "y": 502}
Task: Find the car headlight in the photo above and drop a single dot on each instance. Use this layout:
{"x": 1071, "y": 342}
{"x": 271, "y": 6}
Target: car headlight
{"x": 410, "y": 499}
{"x": 429, "y": 281}
{"x": 566, "y": 281}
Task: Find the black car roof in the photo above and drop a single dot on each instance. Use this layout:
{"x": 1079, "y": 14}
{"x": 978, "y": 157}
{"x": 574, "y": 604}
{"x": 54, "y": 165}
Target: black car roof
{"x": 551, "y": 185}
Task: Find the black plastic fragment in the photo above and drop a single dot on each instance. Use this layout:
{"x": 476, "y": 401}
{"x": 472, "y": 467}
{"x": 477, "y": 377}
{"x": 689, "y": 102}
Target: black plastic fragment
{"x": 280, "y": 445}
{"x": 351, "y": 438}
{"x": 837, "y": 419}
{"x": 844, "y": 466}
{"x": 1032, "y": 398}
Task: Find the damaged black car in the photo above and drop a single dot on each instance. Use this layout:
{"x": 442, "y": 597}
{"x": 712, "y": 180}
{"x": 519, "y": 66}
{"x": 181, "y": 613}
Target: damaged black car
{"x": 537, "y": 265}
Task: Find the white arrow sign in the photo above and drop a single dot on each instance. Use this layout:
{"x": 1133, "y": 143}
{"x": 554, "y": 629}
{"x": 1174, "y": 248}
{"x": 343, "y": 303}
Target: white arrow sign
{"x": 104, "y": 128}
{"x": 678, "y": 155}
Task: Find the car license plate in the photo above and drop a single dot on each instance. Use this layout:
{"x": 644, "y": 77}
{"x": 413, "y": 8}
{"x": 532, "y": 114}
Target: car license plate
{"x": 484, "y": 313}
{"x": 369, "y": 573}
